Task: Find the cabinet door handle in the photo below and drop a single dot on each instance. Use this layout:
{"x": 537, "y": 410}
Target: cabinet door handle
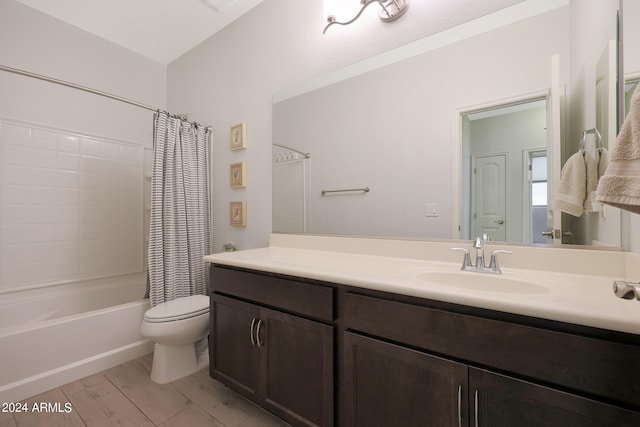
{"x": 460, "y": 406}
{"x": 475, "y": 404}
{"x": 258, "y": 333}
{"x": 253, "y": 322}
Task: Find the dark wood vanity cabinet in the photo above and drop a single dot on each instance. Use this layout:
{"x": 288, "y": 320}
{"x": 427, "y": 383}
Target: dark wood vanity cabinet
{"x": 443, "y": 368}
{"x": 271, "y": 346}
{"x": 315, "y": 353}
{"x": 391, "y": 385}
{"x": 502, "y": 401}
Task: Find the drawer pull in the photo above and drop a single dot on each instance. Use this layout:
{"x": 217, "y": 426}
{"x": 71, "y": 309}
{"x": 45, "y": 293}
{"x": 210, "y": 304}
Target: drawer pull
{"x": 460, "y": 406}
{"x": 258, "y": 333}
{"x": 475, "y": 399}
{"x": 253, "y": 341}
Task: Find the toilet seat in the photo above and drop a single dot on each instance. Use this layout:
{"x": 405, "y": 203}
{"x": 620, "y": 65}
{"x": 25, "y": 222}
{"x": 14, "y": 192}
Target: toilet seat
{"x": 178, "y": 309}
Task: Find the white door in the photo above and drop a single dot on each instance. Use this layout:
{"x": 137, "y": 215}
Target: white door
{"x": 489, "y": 182}
{"x": 554, "y": 136}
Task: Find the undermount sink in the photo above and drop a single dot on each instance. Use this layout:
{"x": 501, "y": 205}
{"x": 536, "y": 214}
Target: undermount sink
{"x": 482, "y": 282}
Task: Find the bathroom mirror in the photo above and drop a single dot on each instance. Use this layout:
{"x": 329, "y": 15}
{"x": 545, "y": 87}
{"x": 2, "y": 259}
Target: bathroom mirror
{"x": 373, "y": 153}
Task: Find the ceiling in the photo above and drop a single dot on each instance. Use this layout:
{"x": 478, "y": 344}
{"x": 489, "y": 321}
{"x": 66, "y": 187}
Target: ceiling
{"x": 161, "y": 30}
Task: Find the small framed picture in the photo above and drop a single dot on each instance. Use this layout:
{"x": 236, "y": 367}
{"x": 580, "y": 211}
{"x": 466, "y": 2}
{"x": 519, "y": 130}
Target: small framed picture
{"x": 239, "y": 136}
{"x": 238, "y": 214}
{"x": 238, "y": 175}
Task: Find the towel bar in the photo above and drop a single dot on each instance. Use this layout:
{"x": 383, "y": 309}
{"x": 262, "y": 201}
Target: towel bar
{"x": 364, "y": 189}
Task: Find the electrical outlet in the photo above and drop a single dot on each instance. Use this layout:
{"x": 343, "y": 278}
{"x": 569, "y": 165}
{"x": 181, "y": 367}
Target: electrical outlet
{"x": 432, "y": 210}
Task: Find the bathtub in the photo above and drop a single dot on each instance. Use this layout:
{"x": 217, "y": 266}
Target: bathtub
{"x": 57, "y": 334}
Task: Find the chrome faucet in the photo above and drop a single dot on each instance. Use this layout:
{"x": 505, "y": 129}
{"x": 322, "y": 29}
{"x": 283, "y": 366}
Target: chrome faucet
{"x": 626, "y": 290}
{"x": 479, "y": 266}
{"x": 478, "y": 245}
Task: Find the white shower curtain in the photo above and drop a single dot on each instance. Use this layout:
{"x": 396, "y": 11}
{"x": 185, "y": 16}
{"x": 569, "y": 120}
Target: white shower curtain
{"x": 180, "y": 228}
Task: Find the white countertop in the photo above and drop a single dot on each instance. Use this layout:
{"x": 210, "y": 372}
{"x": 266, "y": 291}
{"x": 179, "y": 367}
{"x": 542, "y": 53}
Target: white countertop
{"x": 584, "y": 299}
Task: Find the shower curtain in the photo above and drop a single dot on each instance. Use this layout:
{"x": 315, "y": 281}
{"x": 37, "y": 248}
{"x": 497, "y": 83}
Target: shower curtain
{"x": 180, "y": 211}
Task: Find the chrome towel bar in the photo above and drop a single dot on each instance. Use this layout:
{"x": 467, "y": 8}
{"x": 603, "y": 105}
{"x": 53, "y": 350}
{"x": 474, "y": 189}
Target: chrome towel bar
{"x": 365, "y": 189}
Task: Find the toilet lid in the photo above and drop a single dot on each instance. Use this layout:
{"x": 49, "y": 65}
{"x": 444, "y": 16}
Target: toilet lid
{"x": 177, "y": 309}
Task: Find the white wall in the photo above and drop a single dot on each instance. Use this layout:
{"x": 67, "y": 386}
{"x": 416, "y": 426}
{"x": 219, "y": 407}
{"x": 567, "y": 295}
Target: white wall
{"x": 63, "y": 194}
{"x": 592, "y": 25}
{"x": 231, "y": 77}
{"x": 392, "y": 129}
{"x": 38, "y": 43}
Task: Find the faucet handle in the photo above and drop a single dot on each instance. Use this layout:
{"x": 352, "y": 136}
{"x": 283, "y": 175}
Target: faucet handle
{"x": 466, "y": 262}
{"x": 493, "y": 264}
{"x": 626, "y": 290}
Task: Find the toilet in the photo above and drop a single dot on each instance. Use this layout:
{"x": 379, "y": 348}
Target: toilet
{"x": 180, "y": 330}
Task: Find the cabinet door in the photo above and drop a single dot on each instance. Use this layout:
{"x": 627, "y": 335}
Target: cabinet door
{"x": 297, "y": 368}
{"x": 389, "y": 385}
{"x": 497, "y": 401}
{"x": 233, "y": 354}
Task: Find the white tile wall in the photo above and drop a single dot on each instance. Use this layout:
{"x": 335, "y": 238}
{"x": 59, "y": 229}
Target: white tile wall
{"x": 71, "y": 206}
{"x": 289, "y": 197}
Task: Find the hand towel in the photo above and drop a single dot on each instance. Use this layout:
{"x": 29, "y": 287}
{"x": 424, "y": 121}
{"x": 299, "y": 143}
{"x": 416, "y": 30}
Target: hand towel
{"x": 572, "y": 189}
{"x": 620, "y": 185}
{"x": 591, "y": 168}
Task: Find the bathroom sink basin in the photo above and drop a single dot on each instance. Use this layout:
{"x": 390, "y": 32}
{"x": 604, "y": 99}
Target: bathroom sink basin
{"x": 483, "y": 282}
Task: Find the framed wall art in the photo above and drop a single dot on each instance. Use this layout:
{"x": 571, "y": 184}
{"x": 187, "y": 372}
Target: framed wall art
{"x": 239, "y": 136}
{"x": 238, "y": 214}
{"x": 238, "y": 175}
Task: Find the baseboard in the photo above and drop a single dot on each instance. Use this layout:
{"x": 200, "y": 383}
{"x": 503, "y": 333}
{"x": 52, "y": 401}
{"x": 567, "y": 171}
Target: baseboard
{"x": 36, "y": 384}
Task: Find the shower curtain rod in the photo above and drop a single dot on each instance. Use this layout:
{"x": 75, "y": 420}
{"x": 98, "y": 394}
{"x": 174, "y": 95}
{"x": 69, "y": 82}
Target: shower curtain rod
{"x": 93, "y": 91}
{"x": 306, "y": 155}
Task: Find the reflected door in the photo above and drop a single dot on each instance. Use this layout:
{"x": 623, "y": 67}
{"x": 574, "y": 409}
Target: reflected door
{"x": 554, "y": 136}
{"x": 490, "y": 196}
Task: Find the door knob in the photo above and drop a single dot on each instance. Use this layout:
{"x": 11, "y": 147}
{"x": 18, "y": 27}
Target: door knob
{"x": 547, "y": 233}
{"x": 500, "y": 221}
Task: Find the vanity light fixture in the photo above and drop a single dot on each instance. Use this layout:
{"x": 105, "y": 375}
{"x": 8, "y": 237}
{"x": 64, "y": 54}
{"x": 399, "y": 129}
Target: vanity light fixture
{"x": 391, "y": 10}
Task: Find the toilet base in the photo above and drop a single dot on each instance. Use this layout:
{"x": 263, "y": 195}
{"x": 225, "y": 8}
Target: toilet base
{"x": 172, "y": 362}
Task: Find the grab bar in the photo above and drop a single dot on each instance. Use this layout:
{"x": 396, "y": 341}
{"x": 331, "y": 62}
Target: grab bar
{"x": 365, "y": 189}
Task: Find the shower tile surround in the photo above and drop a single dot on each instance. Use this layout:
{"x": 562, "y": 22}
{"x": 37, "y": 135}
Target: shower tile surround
{"x": 71, "y": 206}
{"x": 289, "y": 196}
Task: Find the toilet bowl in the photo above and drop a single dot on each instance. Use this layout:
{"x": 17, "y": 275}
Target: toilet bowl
{"x": 179, "y": 329}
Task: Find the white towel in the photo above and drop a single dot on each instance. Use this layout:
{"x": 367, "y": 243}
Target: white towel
{"x": 572, "y": 189}
{"x": 620, "y": 185}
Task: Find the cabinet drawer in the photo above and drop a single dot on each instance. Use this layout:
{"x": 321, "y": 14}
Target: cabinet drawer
{"x": 311, "y": 300}
{"x": 589, "y": 365}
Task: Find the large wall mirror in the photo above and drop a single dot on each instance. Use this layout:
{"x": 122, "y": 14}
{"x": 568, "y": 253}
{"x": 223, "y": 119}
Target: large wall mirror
{"x": 448, "y": 143}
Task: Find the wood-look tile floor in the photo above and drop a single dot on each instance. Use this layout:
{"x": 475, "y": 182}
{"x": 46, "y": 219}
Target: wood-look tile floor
{"x": 126, "y": 396}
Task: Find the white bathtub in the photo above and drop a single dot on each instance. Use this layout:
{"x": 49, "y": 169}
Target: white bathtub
{"x": 58, "y": 334}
